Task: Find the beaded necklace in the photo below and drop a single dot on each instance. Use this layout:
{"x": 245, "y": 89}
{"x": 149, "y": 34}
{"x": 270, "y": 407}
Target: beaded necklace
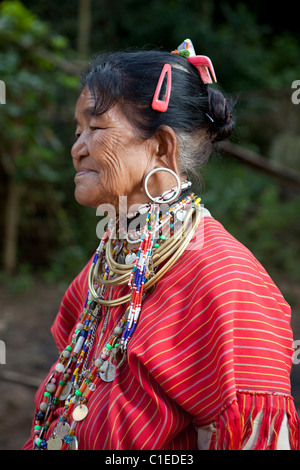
{"x": 75, "y": 376}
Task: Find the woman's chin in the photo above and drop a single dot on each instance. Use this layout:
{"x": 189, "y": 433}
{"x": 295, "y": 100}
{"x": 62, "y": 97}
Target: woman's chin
{"x": 84, "y": 198}
{"x": 88, "y": 198}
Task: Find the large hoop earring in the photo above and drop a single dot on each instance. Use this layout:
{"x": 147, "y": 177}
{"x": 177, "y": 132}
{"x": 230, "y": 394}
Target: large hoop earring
{"x": 162, "y": 199}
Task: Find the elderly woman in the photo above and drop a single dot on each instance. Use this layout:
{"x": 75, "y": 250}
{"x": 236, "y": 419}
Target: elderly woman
{"x": 173, "y": 336}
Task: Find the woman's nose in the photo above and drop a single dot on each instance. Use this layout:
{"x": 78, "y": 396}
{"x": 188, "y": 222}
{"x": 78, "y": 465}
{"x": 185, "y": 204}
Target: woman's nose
{"x": 79, "y": 148}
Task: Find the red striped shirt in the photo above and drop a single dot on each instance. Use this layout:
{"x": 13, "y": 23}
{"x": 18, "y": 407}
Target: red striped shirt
{"x": 214, "y": 327}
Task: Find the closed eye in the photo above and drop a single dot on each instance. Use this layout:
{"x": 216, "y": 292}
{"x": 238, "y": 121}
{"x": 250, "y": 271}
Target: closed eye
{"x": 96, "y": 128}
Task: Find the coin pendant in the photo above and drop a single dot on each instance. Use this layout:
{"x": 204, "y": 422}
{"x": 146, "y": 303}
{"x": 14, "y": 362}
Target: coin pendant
{"x": 54, "y": 443}
{"x": 65, "y": 391}
{"x": 130, "y": 258}
{"x": 61, "y": 430}
{"x": 73, "y": 444}
{"x": 108, "y": 371}
{"x": 80, "y": 412}
{"x": 181, "y": 215}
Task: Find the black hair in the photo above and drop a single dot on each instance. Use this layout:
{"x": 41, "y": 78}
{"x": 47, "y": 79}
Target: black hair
{"x": 200, "y": 115}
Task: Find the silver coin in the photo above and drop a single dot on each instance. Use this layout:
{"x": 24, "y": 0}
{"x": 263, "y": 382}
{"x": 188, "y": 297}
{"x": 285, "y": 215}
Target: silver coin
{"x": 73, "y": 444}
{"x": 181, "y": 215}
{"x": 80, "y": 412}
{"x": 61, "y": 430}
{"x": 130, "y": 258}
{"x": 65, "y": 391}
{"x": 108, "y": 371}
{"x": 54, "y": 443}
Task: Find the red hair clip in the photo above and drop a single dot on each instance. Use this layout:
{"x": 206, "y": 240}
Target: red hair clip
{"x": 201, "y": 62}
{"x": 205, "y": 68}
{"x": 162, "y": 105}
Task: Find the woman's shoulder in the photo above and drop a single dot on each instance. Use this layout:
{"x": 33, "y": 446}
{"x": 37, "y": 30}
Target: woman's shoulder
{"x": 215, "y": 261}
{"x": 213, "y": 246}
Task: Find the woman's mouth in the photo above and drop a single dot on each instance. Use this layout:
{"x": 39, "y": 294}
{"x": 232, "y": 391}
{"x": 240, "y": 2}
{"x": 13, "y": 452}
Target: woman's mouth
{"x": 82, "y": 172}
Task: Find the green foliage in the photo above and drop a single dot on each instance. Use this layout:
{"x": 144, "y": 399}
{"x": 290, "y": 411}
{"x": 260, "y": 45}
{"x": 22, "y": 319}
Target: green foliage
{"x": 20, "y": 26}
{"x": 34, "y": 88}
{"x": 37, "y": 134}
{"x": 252, "y": 62}
{"x": 255, "y": 210}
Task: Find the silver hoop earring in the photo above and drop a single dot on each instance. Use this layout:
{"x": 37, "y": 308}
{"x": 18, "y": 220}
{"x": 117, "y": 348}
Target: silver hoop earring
{"x": 173, "y": 193}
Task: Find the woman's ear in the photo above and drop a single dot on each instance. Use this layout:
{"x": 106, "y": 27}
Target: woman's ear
{"x": 164, "y": 154}
{"x": 166, "y": 148}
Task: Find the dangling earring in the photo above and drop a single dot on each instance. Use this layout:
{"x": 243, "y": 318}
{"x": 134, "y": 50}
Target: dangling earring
{"x": 167, "y": 196}
{"x": 142, "y": 268}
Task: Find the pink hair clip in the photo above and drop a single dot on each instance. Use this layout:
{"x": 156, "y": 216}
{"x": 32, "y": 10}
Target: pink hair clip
{"x": 162, "y": 105}
{"x": 201, "y": 62}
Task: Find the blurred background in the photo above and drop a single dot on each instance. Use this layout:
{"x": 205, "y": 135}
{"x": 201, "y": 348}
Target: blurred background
{"x": 251, "y": 185}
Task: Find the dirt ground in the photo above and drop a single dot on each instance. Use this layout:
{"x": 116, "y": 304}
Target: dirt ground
{"x": 25, "y": 320}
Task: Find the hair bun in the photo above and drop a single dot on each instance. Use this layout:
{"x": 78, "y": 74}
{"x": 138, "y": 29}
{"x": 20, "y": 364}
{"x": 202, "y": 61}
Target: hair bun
{"x": 220, "y": 111}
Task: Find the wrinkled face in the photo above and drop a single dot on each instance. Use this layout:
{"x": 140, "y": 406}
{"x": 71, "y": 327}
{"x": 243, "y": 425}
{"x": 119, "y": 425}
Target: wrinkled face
{"x": 109, "y": 159}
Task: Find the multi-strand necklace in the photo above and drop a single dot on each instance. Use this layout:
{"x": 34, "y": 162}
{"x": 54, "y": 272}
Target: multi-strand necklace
{"x": 161, "y": 241}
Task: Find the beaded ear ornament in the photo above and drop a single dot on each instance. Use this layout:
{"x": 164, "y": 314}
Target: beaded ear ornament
{"x": 201, "y": 62}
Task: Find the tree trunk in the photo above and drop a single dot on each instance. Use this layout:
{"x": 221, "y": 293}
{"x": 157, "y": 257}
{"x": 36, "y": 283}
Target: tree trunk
{"x": 84, "y": 28}
{"x": 10, "y": 244}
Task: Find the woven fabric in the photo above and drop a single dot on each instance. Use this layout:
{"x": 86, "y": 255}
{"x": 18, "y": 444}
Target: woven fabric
{"x": 213, "y": 346}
